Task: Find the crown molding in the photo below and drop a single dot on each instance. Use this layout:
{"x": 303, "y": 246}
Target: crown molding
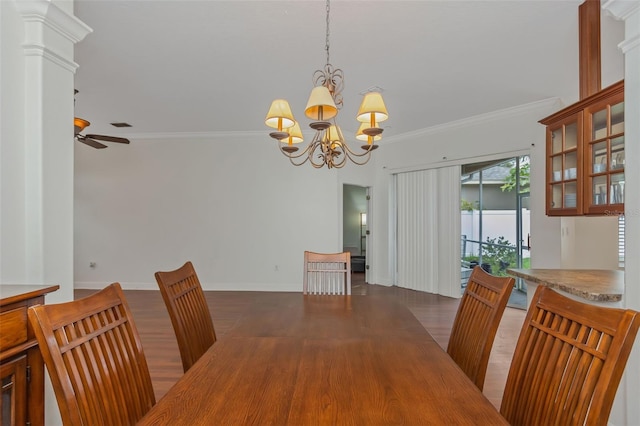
{"x": 621, "y": 9}
{"x": 479, "y": 119}
{"x": 40, "y": 50}
{"x": 628, "y": 11}
{"x": 466, "y": 122}
{"x": 249, "y": 135}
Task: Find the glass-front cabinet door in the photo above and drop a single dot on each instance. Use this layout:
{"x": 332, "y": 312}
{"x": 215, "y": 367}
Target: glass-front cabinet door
{"x": 564, "y": 196}
{"x": 586, "y": 156}
{"x": 605, "y": 157}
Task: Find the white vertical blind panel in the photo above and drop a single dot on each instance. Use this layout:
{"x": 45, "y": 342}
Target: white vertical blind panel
{"x": 416, "y": 207}
{"x": 449, "y": 231}
{"x": 428, "y": 230}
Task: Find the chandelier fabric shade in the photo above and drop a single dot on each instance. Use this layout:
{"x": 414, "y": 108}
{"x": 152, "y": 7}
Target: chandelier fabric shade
{"x": 321, "y": 106}
{"x": 372, "y": 109}
{"x": 334, "y": 135}
{"x": 280, "y": 117}
{"x": 295, "y": 136}
{"x": 328, "y": 146}
{"x": 361, "y": 136}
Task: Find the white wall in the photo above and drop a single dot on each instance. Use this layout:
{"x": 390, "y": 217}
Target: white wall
{"x": 589, "y": 242}
{"x": 239, "y": 199}
{"x": 231, "y": 204}
{"x": 12, "y": 155}
{"x": 497, "y": 135}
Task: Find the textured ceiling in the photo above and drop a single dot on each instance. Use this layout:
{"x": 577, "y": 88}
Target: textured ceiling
{"x": 215, "y": 66}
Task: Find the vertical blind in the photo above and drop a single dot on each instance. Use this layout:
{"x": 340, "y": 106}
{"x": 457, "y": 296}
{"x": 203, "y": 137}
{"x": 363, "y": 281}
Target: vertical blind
{"x": 428, "y": 230}
{"x": 621, "y": 241}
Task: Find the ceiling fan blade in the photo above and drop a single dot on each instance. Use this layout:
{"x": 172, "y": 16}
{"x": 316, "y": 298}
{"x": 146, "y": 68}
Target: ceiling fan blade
{"x": 109, "y": 138}
{"x": 91, "y": 142}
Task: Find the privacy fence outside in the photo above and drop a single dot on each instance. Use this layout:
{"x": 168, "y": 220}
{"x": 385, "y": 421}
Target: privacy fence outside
{"x": 494, "y": 245}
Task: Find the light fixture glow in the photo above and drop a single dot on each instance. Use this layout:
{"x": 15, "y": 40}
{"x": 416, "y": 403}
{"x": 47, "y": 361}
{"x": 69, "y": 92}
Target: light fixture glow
{"x": 362, "y": 136}
{"x": 328, "y": 146}
{"x": 279, "y": 117}
{"x": 79, "y": 124}
{"x": 295, "y": 136}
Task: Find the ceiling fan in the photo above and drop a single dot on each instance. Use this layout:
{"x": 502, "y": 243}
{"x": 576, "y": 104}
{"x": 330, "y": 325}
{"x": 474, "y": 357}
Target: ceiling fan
{"x": 92, "y": 140}
{"x": 79, "y": 125}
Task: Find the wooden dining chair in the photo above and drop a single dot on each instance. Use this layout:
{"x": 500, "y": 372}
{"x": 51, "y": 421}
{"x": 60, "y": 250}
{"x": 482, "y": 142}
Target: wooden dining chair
{"x": 568, "y": 362}
{"x": 327, "y": 273}
{"x": 476, "y": 322}
{"x": 93, "y": 353}
{"x": 189, "y": 313}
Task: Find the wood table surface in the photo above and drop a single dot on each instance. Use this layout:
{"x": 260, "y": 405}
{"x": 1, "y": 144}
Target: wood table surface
{"x": 315, "y": 360}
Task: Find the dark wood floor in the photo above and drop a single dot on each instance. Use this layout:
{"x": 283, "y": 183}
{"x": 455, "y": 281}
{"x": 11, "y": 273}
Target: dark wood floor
{"x": 436, "y": 313}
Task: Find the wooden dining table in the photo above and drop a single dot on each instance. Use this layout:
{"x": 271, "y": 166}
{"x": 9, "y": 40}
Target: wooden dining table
{"x": 325, "y": 360}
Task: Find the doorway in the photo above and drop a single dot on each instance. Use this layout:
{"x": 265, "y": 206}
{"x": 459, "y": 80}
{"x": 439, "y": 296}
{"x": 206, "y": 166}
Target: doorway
{"x": 355, "y": 223}
{"x": 495, "y": 219}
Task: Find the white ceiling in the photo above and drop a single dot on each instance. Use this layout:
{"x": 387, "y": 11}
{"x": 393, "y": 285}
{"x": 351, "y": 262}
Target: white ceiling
{"x": 215, "y": 66}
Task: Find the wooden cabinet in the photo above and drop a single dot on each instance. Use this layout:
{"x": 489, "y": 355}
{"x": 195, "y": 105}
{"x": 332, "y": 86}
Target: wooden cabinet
{"x": 21, "y": 365}
{"x": 586, "y": 156}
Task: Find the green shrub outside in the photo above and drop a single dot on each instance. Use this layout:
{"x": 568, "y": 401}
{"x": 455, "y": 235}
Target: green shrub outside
{"x": 499, "y": 257}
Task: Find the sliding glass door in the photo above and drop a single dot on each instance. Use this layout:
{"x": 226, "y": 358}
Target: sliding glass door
{"x": 494, "y": 208}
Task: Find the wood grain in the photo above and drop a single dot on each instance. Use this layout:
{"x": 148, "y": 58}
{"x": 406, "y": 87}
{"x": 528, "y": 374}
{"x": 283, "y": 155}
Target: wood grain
{"x": 298, "y": 359}
{"x": 435, "y": 313}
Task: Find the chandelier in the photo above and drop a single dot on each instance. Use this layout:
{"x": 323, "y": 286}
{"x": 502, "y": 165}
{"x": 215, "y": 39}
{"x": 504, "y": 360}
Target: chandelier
{"x": 328, "y": 146}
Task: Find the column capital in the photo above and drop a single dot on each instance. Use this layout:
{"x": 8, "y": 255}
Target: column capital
{"x": 621, "y": 9}
{"x": 51, "y": 32}
{"x": 629, "y": 12}
{"x": 47, "y": 13}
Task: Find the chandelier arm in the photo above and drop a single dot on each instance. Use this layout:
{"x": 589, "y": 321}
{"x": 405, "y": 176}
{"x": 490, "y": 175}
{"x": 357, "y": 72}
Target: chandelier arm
{"x": 291, "y": 155}
{"x": 353, "y": 156}
{"x": 321, "y": 155}
{"x": 341, "y": 163}
{"x": 307, "y": 154}
{"x": 364, "y": 152}
{"x": 291, "y": 159}
{"x": 300, "y": 163}
{"x": 328, "y": 147}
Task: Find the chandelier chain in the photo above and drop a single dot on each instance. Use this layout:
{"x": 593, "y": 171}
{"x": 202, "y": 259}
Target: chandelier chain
{"x": 326, "y": 46}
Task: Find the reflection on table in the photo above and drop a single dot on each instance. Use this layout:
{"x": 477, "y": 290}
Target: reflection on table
{"x": 325, "y": 360}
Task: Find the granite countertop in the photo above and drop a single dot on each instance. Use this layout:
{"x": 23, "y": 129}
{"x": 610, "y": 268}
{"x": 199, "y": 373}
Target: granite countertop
{"x": 600, "y": 285}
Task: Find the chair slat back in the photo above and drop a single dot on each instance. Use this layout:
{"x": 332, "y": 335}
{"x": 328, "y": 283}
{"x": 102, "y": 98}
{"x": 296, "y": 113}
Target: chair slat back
{"x": 568, "y": 361}
{"x": 93, "y": 353}
{"x": 476, "y": 323}
{"x": 189, "y": 312}
{"x": 327, "y": 273}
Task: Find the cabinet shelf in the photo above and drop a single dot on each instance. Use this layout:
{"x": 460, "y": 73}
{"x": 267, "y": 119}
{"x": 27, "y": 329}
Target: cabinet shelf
{"x": 586, "y": 156}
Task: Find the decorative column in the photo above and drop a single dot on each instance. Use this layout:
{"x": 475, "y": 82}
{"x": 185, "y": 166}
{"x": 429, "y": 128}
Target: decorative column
{"x": 626, "y": 409}
{"x": 50, "y": 34}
